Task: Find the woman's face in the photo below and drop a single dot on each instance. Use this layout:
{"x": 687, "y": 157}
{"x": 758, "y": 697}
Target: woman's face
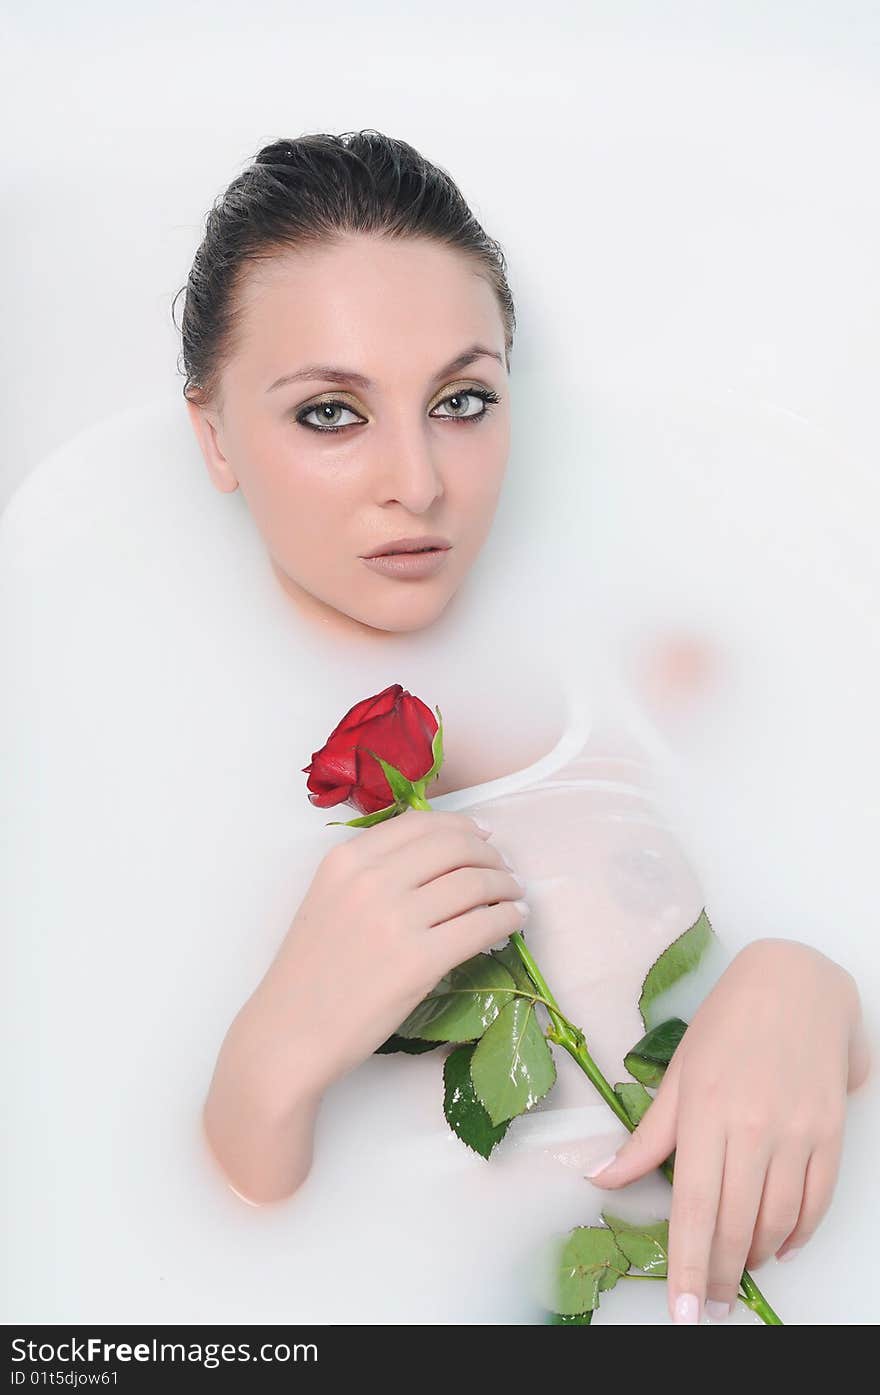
{"x": 405, "y": 461}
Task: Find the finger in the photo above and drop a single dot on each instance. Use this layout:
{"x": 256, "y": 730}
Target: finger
{"x": 424, "y": 863}
{"x": 465, "y": 935}
{"x": 742, "y": 1185}
{"x": 780, "y": 1201}
{"x": 461, "y": 891}
{"x": 696, "y": 1191}
{"x": 650, "y": 1143}
{"x": 819, "y": 1183}
{"x": 380, "y": 838}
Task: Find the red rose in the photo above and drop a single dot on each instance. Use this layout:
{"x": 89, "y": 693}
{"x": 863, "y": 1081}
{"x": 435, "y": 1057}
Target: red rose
{"x": 394, "y": 724}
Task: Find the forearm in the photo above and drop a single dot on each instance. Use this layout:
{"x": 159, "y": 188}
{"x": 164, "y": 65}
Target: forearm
{"x": 260, "y": 1112}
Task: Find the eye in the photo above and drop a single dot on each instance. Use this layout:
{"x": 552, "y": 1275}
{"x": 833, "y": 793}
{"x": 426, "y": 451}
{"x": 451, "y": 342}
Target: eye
{"x": 328, "y": 421}
{"x": 469, "y": 396}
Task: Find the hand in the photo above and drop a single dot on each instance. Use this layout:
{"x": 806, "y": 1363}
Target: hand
{"x": 388, "y": 913}
{"x": 754, "y": 1103}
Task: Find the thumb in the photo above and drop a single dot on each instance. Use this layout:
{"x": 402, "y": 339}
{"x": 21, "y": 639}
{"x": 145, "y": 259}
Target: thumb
{"x": 651, "y": 1141}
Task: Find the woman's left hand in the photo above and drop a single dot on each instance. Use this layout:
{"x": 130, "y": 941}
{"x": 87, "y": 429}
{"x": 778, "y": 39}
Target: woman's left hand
{"x": 754, "y": 1103}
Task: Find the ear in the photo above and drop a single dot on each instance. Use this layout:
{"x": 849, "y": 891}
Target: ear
{"x": 205, "y": 426}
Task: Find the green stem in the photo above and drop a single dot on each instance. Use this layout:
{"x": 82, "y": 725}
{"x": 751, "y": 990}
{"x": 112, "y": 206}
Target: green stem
{"x": 565, "y": 1032}
{"x": 572, "y": 1039}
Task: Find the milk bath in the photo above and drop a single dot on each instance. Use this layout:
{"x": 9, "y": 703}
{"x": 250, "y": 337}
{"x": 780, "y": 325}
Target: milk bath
{"x": 159, "y": 838}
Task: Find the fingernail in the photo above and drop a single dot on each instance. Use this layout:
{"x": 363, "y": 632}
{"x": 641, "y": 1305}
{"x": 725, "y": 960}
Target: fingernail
{"x": 601, "y": 1166}
{"x": 687, "y": 1308}
{"x": 717, "y": 1311}
{"x": 522, "y": 907}
{"x": 520, "y": 884}
{"x": 483, "y": 828}
{"x": 790, "y": 1254}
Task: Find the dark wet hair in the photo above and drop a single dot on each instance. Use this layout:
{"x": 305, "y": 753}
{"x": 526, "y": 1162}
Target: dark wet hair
{"x": 303, "y": 192}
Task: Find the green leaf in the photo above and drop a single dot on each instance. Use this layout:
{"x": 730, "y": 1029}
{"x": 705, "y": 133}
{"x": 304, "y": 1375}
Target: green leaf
{"x": 509, "y": 957}
{"x": 634, "y": 1098}
{"x": 589, "y": 1263}
{"x": 408, "y": 1044}
{"x": 462, "y": 1005}
{"x": 678, "y": 959}
{"x": 567, "y": 1319}
{"x": 648, "y": 1059}
{"x": 464, "y": 1113}
{"x": 437, "y": 753}
{"x": 436, "y": 749}
{"x": 645, "y": 1246}
{"x": 401, "y": 785}
{"x": 512, "y": 1065}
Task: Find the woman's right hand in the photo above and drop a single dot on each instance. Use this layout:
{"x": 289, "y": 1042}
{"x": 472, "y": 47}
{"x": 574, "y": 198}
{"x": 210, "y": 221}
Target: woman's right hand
{"x": 387, "y": 914}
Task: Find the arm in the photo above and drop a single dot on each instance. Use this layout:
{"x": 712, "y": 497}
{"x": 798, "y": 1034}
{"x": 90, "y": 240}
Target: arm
{"x": 386, "y": 916}
{"x": 260, "y": 1113}
{"x": 753, "y": 1102}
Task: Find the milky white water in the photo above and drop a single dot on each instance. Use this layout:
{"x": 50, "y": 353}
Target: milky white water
{"x": 163, "y": 701}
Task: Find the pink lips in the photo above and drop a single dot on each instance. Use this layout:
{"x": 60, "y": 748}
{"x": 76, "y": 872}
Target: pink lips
{"x": 408, "y": 564}
{"x": 416, "y": 544}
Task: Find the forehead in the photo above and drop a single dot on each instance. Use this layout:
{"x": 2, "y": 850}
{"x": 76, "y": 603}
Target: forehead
{"x": 391, "y": 309}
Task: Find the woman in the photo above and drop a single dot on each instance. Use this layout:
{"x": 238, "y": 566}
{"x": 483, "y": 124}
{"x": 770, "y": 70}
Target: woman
{"x": 347, "y": 335}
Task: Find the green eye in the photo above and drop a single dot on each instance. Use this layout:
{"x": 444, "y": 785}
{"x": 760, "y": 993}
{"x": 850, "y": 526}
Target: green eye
{"x": 474, "y": 394}
{"x": 323, "y": 408}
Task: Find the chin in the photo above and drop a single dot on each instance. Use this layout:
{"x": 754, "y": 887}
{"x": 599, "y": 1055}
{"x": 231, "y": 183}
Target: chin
{"x": 419, "y": 613}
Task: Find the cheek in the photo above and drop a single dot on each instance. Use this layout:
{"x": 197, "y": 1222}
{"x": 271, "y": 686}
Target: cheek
{"x": 477, "y": 487}
{"x": 295, "y": 503}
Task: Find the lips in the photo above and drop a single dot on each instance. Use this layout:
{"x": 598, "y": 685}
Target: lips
{"x": 409, "y": 565}
{"x": 428, "y": 543}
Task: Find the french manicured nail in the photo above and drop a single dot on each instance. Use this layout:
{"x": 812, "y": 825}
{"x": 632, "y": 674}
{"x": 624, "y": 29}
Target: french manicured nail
{"x": 790, "y": 1254}
{"x": 483, "y": 828}
{"x": 687, "y": 1308}
{"x": 600, "y": 1166}
{"x": 717, "y": 1311}
{"x": 522, "y": 907}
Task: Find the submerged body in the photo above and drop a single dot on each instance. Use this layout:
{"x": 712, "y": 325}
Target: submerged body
{"x": 159, "y": 836}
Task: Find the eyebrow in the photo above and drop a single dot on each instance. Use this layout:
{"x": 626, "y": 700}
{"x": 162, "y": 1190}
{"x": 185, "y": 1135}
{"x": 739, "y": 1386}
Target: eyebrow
{"x": 345, "y": 375}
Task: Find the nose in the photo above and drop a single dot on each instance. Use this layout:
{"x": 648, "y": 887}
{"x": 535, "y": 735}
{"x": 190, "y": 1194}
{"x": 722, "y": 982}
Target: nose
{"x": 407, "y": 472}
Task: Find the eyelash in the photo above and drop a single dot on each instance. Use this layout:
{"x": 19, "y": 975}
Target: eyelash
{"x": 486, "y": 395}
